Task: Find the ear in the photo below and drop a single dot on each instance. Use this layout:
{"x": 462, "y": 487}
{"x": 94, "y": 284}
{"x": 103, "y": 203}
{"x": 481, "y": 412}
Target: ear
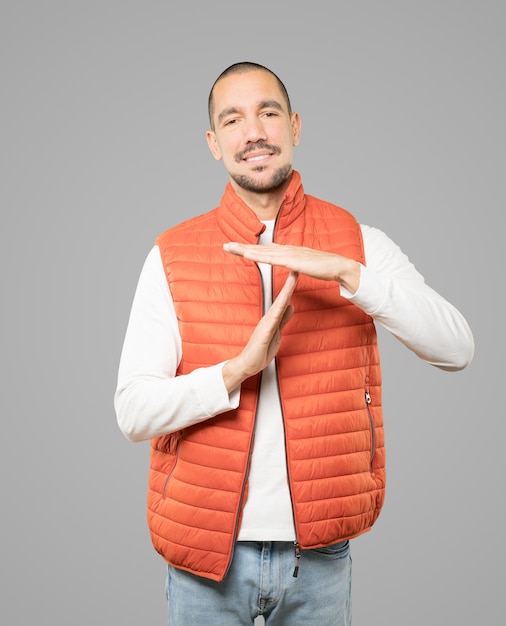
{"x": 296, "y": 128}
{"x": 213, "y": 144}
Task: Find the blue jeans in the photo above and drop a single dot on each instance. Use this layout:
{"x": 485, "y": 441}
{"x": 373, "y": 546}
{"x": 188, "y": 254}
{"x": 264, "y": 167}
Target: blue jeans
{"x": 261, "y": 582}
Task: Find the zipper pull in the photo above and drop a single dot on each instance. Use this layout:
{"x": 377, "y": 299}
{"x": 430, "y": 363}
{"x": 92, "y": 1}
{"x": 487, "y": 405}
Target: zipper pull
{"x": 297, "y": 556}
{"x": 368, "y": 397}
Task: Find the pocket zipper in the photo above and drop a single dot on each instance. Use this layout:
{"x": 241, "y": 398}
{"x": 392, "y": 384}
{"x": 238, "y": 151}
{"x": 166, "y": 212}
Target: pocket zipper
{"x": 373, "y": 431}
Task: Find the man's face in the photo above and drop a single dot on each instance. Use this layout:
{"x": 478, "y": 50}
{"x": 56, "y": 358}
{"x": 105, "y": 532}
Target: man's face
{"x": 254, "y": 133}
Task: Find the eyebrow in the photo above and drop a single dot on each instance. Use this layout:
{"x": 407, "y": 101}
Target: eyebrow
{"x": 265, "y": 104}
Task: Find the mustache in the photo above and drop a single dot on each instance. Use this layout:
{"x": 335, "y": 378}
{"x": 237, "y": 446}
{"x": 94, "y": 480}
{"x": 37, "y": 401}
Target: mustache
{"x": 260, "y": 145}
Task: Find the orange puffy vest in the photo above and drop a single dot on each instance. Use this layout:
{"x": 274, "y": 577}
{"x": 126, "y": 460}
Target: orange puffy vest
{"x": 329, "y": 381}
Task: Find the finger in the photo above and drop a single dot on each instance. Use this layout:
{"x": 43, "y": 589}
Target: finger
{"x": 287, "y": 316}
{"x": 290, "y": 283}
{"x": 233, "y": 247}
{"x": 268, "y": 253}
{"x": 282, "y": 301}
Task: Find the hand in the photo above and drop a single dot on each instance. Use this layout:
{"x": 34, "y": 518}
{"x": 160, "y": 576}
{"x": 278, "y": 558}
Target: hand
{"x": 314, "y": 263}
{"x": 265, "y": 340}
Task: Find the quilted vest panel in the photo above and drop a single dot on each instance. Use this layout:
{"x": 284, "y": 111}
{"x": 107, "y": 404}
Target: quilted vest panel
{"x": 329, "y": 379}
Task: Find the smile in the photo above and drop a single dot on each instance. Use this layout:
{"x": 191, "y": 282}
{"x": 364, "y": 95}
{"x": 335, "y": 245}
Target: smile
{"x": 259, "y": 157}
{"x": 260, "y": 152}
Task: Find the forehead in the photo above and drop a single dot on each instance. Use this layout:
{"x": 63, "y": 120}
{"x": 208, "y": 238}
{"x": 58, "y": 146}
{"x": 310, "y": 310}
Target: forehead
{"x": 246, "y": 89}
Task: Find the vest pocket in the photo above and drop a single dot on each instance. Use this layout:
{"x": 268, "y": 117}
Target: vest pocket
{"x": 171, "y": 471}
{"x": 373, "y": 430}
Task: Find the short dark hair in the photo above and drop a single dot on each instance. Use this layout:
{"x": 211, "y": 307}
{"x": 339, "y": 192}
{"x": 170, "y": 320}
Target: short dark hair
{"x": 241, "y": 68}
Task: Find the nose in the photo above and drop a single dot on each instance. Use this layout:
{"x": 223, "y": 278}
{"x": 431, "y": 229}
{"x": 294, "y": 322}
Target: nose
{"x": 254, "y": 130}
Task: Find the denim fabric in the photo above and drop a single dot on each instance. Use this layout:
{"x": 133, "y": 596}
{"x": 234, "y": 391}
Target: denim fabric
{"x": 261, "y": 582}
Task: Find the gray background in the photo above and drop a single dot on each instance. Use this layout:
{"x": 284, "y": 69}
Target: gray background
{"x": 103, "y": 115}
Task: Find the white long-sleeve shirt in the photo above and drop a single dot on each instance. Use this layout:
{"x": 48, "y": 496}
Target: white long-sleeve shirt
{"x": 151, "y": 401}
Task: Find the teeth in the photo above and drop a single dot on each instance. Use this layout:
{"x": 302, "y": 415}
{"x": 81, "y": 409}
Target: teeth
{"x": 257, "y": 158}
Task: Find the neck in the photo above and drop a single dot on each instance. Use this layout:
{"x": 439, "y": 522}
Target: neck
{"x": 265, "y": 205}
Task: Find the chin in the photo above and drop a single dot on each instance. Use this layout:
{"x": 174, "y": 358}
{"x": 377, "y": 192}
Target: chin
{"x": 262, "y": 184}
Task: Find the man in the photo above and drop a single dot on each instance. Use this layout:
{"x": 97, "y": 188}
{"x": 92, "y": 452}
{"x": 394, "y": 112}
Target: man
{"x": 251, "y": 362}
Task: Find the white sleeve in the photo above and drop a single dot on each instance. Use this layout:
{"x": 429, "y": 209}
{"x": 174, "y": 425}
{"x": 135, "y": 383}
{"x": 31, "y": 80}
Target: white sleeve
{"x": 150, "y": 400}
{"x": 395, "y": 294}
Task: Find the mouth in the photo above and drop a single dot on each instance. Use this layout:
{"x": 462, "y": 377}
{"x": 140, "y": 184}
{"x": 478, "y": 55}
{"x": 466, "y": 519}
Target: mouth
{"x": 255, "y": 158}
{"x": 258, "y": 153}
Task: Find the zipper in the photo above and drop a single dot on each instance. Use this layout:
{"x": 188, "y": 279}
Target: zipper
{"x": 243, "y": 489}
{"x": 250, "y": 451}
{"x": 373, "y": 430}
{"x": 297, "y": 558}
{"x": 176, "y": 457}
{"x": 296, "y": 546}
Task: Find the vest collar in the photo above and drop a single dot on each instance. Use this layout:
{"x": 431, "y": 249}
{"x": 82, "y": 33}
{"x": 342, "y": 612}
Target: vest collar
{"x": 240, "y": 223}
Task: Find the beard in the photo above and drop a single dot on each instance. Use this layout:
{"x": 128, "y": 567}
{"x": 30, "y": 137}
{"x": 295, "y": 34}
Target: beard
{"x": 276, "y": 180}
